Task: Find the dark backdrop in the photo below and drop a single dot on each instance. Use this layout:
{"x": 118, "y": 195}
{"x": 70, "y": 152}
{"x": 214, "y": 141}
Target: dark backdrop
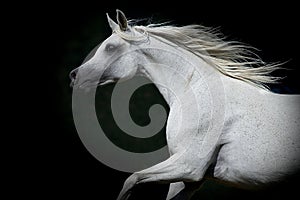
{"x": 60, "y": 35}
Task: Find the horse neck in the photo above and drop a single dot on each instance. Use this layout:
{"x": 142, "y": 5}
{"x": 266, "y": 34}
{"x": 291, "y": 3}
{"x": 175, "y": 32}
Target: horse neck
{"x": 192, "y": 88}
{"x": 177, "y": 73}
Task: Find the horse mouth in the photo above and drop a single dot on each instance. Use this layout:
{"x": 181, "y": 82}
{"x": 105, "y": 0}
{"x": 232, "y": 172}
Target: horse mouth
{"x": 72, "y": 83}
{"x": 91, "y": 84}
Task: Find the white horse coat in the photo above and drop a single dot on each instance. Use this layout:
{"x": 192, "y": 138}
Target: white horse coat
{"x": 250, "y": 134}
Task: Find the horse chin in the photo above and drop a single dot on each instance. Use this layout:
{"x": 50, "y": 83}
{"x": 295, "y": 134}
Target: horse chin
{"x": 106, "y": 82}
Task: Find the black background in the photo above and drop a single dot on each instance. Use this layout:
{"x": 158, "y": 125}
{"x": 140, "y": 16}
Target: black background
{"x": 56, "y": 37}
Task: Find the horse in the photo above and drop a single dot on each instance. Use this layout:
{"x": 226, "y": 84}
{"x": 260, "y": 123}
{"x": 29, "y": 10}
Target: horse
{"x": 222, "y": 113}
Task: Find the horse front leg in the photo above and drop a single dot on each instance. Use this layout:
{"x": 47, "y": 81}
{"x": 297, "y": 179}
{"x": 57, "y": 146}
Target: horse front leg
{"x": 183, "y": 190}
{"x": 174, "y": 169}
{"x": 174, "y": 189}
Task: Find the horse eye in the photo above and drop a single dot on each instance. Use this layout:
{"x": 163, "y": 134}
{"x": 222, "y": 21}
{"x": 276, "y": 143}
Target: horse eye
{"x": 110, "y": 47}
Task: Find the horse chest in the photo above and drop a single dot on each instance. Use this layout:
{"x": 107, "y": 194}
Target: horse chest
{"x": 182, "y": 129}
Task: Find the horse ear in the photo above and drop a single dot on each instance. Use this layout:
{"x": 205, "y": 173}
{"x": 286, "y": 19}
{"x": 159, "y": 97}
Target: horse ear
{"x": 122, "y": 21}
{"x": 111, "y": 23}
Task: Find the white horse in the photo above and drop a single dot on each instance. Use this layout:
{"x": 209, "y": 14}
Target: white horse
{"x": 221, "y": 113}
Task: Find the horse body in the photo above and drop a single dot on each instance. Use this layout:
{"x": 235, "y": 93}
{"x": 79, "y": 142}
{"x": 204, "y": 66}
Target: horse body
{"x": 249, "y": 134}
{"x": 262, "y": 143}
{"x": 260, "y": 140}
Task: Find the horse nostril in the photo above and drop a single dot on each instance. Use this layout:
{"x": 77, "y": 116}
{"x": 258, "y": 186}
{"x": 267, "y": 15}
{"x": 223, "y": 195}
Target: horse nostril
{"x": 73, "y": 74}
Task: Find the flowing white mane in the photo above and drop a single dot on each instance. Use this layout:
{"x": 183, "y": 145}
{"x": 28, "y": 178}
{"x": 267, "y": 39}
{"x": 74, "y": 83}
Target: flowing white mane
{"x": 231, "y": 58}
